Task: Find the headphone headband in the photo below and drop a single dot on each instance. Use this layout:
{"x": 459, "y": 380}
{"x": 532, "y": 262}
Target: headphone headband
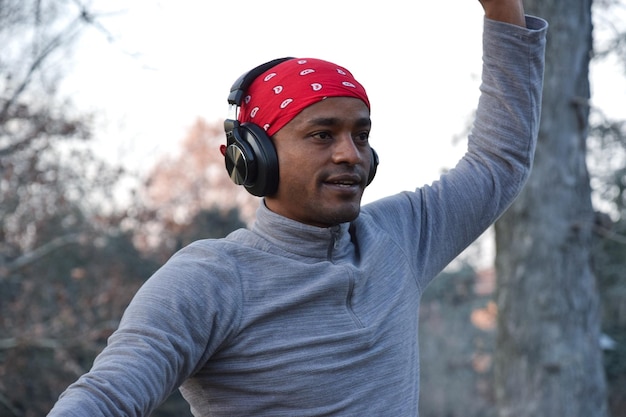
{"x": 239, "y": 88}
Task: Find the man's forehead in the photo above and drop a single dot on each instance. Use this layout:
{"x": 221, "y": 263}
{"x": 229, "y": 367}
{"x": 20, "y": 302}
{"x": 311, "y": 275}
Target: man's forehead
{"x": 334, "y": 111}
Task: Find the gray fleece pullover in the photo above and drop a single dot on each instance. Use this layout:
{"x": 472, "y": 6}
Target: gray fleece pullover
{"x": 287, "y": 319}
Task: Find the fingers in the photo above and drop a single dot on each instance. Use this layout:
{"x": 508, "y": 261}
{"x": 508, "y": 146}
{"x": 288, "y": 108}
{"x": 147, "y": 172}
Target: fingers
{"x": 509, "y": 11}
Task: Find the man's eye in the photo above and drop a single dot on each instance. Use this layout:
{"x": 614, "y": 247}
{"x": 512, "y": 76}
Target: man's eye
{"x": 362, "y": 137}
{"x": 322, "y": 135}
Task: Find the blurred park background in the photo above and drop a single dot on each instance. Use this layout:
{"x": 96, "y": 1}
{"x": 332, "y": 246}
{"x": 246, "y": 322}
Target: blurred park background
{"x": 531, "y": 318}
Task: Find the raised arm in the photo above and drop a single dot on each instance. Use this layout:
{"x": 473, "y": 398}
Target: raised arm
{"x": 452, "y": 212}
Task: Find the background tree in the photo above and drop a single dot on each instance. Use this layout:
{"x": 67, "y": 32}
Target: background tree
{"x": 31, "y": 116}
{"x": 548, "y": 359}
{"x": 607, "y": 162}
{"x": 62, "y": 260}
{"x": 184, "y": 184}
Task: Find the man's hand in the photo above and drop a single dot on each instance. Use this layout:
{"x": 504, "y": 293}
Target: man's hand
{"x": 509, "y": 11}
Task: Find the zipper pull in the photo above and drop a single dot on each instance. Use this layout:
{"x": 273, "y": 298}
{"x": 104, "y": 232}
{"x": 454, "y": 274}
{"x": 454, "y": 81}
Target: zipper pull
{"x": 335, "y": 235}
{"x": 334, "y": 241}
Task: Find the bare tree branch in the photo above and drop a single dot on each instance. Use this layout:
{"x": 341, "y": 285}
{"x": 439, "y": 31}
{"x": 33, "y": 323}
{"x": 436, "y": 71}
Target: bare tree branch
{"x": 6, "y": 403}
{"x": 52, "y": 45}
{"x": 40, "y": 252}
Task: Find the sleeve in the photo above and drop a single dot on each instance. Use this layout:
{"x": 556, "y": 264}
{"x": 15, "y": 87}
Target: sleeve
{"x": 438, "y": 221}
{"x": 172, "y": 326}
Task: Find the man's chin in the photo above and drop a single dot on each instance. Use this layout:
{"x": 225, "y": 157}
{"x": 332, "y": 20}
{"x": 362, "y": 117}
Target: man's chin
{"x": 346, "y": 215}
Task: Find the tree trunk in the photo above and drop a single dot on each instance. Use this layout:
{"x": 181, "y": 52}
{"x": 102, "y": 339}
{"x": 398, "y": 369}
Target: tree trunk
{"x": 548, "y": 360}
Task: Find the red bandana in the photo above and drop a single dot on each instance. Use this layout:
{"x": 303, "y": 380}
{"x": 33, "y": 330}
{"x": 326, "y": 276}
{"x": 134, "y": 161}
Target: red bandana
{"x": 279, "y": 94}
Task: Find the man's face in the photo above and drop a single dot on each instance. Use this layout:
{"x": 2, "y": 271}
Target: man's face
{"x": 324, "y": 158}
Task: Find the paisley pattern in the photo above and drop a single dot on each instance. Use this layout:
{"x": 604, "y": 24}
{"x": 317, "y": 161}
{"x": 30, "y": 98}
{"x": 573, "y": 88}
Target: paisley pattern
{"x": 278, "y": 95}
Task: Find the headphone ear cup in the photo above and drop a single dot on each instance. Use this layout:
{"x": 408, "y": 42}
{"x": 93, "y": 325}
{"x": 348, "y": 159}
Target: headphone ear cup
{"x": 373, "y": 166}
{"x": 261, "y": 160}
{"x": 239, "y": 160}
{"x": 266, "y": 181}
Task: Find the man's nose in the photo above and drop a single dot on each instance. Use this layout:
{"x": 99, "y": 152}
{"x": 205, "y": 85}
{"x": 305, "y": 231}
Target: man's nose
{"x": 346, "y": 151}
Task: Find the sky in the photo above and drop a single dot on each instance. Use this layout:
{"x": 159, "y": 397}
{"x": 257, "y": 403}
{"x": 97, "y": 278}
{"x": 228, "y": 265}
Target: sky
{"x": 165, "y": 63}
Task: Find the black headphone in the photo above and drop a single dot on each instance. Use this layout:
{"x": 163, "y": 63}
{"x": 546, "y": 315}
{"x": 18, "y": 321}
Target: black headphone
{"x": 249, "y": 153}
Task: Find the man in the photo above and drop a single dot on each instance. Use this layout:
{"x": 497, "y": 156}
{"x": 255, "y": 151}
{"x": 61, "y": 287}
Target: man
{"x": 313, "y": 312}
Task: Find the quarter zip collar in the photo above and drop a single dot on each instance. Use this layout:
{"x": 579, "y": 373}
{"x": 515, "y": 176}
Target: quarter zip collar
{"x": 302, "y": 240}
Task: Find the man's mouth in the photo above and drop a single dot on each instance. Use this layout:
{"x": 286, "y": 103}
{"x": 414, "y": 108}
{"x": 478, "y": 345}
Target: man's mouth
{"x": 345, "y": 181}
